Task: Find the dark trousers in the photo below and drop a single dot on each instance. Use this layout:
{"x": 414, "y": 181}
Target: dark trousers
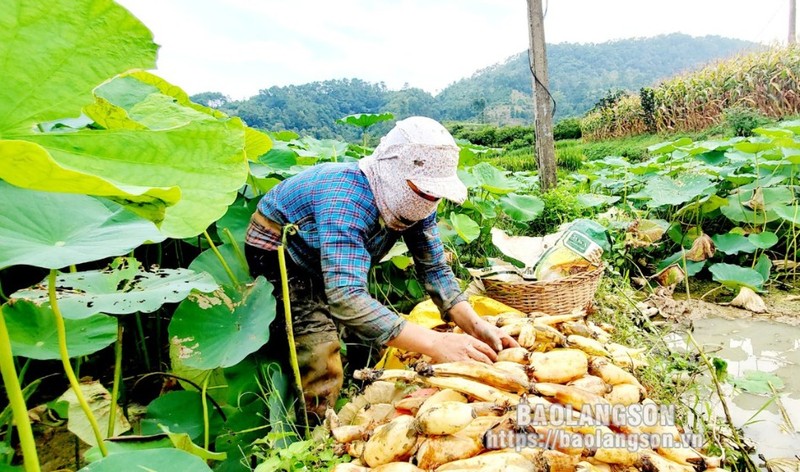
{"x": 315, "y": 335}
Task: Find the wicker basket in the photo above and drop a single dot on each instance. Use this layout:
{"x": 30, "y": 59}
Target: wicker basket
{"x": 555, "y": 297}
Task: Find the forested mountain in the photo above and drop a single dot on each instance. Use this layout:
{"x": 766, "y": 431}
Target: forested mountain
{"x": 580, "y": 74}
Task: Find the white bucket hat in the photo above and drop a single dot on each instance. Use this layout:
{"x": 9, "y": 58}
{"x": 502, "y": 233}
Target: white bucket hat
{"x": 421, "y": 150}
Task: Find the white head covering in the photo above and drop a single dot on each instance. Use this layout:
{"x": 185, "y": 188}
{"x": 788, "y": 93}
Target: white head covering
{"x": 419, "y": 150}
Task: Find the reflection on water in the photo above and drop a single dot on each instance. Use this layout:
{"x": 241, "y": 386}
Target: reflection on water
{"x": 763, "y": 346}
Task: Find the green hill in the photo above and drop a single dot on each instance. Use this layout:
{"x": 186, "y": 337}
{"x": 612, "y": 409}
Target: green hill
{"x": 580, "y": 75}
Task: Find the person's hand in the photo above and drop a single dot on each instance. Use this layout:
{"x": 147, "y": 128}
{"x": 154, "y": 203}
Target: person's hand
{"x": 451, "y": 347}
{"x": 467, "y": 319}
{"x": 493, "y": 336}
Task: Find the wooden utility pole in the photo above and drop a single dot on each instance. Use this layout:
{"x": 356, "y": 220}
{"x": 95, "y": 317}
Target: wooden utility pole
{"x": 543, "y": 118}
{"x": 792, "y": 21}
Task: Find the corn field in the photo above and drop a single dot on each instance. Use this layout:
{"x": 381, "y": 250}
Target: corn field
{"x": 765, "y": 81}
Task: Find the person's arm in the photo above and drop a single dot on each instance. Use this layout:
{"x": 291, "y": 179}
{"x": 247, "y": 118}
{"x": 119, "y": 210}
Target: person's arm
{"x": 426, "y": 247}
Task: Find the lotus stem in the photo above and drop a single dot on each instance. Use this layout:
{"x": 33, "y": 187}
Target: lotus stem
{"x": 221, "y": 259}
{"x": 287, "y": 312}
{"x": 140, "y": 329}
{"x": 62, "y": 347}
{"x": 17, "y": 401}
{"x": 204, "y": 403}
{"x": 117, "y": 376}
{"x": 236, "y": 248}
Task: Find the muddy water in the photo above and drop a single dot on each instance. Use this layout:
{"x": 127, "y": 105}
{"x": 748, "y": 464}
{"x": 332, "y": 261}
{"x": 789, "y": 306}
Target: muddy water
{"x": 766, "y": 346}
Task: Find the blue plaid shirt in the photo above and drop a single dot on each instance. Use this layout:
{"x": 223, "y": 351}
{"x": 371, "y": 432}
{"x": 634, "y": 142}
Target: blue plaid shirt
{"x": 341, "y": 235}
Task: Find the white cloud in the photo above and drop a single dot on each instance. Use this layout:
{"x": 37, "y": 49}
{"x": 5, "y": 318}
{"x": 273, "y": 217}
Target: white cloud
{"x": 240, "y": 46}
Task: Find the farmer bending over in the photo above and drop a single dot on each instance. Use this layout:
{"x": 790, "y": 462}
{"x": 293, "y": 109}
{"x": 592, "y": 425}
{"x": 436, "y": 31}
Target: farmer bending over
{"x": 348, "y": 216}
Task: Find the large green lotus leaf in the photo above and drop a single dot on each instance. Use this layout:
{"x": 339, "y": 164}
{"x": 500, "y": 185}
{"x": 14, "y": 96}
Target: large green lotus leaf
{"x": 466, "y": 228}
{"x": 789, "y": 213}
{"x": 122, "y": 288}
{"x": 29, "y": 165}
{"x": 735, "y": 276}
{"x": 764, "y": 240}
{"x": 125, "y": 444}
{"x": 55, "y": 53}
{"x": 236, "y": 219}
{"x": 204, "y": 158}
{"x": 222, "y": 328}
{"x": 763, "y": 266}
{"x": 493, "y": 179}
{"x": 32, "y": 329}
{"x": 757, "y": 206}
{"x": 324, "y": 149}
{"x": 54, "y": 230}
{"x": 591, "y": 200}
{"x": 181, "y": 412}
{"x": 662, "y": 190}
{"x": 208, "y": 262}
{"x": 364, "y": 120}
{"x": 755, "y": 381}
{"x": 692, "y": 268}
{"x": 155, "y": 460}
{"x": 732, "y": 243}
{"x": 521, "y": 208}
{"x": 669, "y": 146}
{"x": 138, "y": 98}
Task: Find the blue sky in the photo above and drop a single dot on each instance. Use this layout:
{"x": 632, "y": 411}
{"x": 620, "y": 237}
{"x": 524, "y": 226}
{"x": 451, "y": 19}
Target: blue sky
{"x": 238, "y": 47}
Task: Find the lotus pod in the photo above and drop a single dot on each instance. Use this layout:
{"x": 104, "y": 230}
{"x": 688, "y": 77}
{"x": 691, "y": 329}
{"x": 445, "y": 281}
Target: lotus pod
{"x": 397, "y": 467}
{"x": 558, "y": 365}
{"x": 391, "y": 442}
{"x": 624, "y": 394}
{"x": 348, "y": 433}
{"x": 501, "y": 461}
{"x": 516, "y": 382}
{"x": 520, "y": 355}
{"x": 588, "y": 345}
{"x": 439, "y": 450}
{"x": 702, "y": 248}
{"x": 670, "y": 275}
{"x": 749, "y": 300}
{"x": 443, "y": 395}
{"x": 610, "y": 373}
{"x": 591, "y": 383}
{"x": 445, "y": 418}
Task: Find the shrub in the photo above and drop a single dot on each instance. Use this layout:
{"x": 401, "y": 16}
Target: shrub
{"x": 569, "y": 158}
{"x": 560, "y": 206}
{"x": 743, "y": 120}
{"x": 568, "y": 128}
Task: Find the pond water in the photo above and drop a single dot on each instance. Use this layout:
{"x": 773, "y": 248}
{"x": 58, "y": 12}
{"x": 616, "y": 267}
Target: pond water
{"x": 756, "y": 345}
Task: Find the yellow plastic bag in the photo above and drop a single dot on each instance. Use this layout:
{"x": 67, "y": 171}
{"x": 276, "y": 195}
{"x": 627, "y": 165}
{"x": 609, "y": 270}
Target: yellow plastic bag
{"x": 426, "y": 314}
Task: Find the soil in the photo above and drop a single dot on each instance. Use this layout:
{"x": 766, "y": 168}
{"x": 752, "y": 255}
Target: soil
{"x": 56, "y": 448}
{"x": 782, "y": 306}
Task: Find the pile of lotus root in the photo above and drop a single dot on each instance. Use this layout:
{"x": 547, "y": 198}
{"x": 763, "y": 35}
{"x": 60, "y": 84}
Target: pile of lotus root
{"x": 463, "y": 416}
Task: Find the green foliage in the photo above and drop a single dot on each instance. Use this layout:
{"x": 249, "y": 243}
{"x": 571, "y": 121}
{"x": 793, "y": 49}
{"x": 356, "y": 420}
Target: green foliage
{"x": 743, "y": 120}
{"x": 298, "y": 456}
{"x": 561, "y": 205}
{"x": 568, "y": 128}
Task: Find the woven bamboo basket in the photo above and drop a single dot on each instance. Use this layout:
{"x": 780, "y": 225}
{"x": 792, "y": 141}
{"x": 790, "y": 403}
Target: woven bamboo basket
{"x": 554, "y": 297}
